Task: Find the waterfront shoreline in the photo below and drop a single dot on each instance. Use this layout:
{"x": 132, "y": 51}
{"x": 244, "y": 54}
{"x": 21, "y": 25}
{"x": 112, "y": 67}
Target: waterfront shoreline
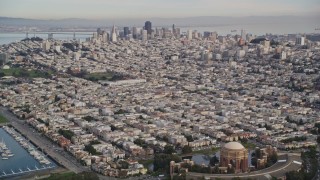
{"x": 27, "y": 168}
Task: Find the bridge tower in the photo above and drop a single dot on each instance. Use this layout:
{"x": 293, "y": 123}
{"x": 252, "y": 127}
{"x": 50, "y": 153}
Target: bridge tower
{"x": 50, "y": 35}
{"x": 27, "y": 34}
{"x": 74, "y": 35}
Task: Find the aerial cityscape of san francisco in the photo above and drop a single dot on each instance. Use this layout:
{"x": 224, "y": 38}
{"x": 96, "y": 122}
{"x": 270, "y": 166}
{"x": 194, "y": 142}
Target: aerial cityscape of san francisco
{"x": 160, "y": 89}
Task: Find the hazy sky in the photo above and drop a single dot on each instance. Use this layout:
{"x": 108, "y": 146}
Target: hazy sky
{"x": 100, "y": 9}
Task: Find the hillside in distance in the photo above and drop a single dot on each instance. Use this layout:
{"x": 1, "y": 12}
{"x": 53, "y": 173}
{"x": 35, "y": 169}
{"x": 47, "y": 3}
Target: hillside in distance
{"x": 187, "y": 21}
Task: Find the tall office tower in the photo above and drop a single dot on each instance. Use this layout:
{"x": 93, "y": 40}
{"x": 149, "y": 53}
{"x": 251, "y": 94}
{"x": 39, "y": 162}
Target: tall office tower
{"x": 158, "y": 32}
{"x": 113, "y": 34}
{"x": 300, "y": 41}
{"x": 196, "y": 34}
{"x": 104, "y": 37}
{"x": 265, "y": 43}
{"x": 134, "y": 32}
{"x": 99, "y": 31}
{"x": 148, "y": 27}
{"x": 207, "y": 34}
{"x": 144, "y": 35}
{"x": 222, "y": 39}
{"x": 243, "y": 35}
{"x": 4, "y": 58}
{"x": 283, "y": 55}
{"x": 177, "y": 32}
{"x": 126, "y": 31}
{"x": 95, "y": 35}
{"x": 173, "y": 30}
{"x": 46, "y": 46}
{"x": 189, "y": 35}
{"x": 166, "y": 33}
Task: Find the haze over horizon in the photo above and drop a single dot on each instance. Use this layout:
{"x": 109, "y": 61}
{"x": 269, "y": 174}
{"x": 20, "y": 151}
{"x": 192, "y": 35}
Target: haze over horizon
{"x": 115, "y": 9}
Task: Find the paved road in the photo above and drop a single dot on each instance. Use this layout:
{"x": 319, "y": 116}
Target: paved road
{"x": 45, "y": 144}
{"x": 277, "y": 170}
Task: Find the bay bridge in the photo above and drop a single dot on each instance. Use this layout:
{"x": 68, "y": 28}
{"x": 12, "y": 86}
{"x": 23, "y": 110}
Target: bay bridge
{"x": 50, "y": 34}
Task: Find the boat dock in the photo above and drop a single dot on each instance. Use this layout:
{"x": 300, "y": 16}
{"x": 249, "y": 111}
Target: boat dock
{"x": 13, "y": 173}
{"x": 38, "y": 155}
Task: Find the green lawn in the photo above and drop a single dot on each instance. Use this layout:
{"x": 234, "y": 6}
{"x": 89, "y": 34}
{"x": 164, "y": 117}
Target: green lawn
{"x": 73, "y": 176}
{"x": 20, "y": 72}
{"x": 99, "y": 76}
{"x": 57, "y": 176}
{"x": 249, "y": 145}
{"x": 146, "y": 163}
{"x": 3, "y": 119}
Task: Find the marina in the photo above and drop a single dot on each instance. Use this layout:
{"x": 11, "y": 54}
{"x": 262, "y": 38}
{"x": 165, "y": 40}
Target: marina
{"x": 5, "y": 153}
{"x": 24, "y": 158}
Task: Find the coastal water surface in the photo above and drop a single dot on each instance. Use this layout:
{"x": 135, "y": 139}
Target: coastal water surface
{"x": 21, "y": 161}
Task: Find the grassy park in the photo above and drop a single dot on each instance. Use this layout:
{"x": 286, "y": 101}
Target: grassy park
{"x": 21, "y": 72}
{"x": 73, "y": 176}
{"x": 3, "y": 119}
{"x": 249, "y": 145}
{"x": 99, "y": 76}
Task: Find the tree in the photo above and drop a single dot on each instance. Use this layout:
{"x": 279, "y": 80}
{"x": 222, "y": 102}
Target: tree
{"x": 2, "y": 74}
{"x": 113, "y": 128}
{"x": 318, "y": 139}
{"x": 168, "y": 149}
{"x": 273, "y": 158}
{"x": 66, "y": 133}
{"x": 124, "y": 164}
{"x": 91, "y": 150}
{"x": 236, "y": 178}
{"x": 74, "y": 176}
{"x": 294, "y": 175}
{"x": 268, "y": 127}
{"x": 120, "y": 111}
{"x": 231, "y": 170}
{"x": 186, "y": 150}
{"x": 244, "y": 140}
{"x": 214, "y": 160}
{"x": 141, "y": 143}
{"x": 254, "y": 161}
{"x": 162, "y": 161}
{"x": 257, "y": 153}
{"x": 89, "y": 118}
{"x": 189, "y": 138}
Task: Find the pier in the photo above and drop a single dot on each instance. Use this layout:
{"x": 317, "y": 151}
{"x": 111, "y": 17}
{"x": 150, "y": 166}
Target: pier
{"x": 13, "y": 173}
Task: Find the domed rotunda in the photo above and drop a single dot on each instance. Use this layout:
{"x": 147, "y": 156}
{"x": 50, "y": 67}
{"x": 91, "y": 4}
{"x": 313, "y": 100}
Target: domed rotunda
{"x": 234, "y": 155}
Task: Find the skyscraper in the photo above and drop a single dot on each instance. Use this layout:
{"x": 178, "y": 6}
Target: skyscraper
{"x": 134, "y": 32}
{"x": 99, "y": 31}
{"x": 46, "y": 45}
{"x": 148, "y": 27}
{"x": 4, "y": 57}
{"x": 173, "y": 30}
{"x": 300, "y": 40}
{"x": 113, "y": 34}
{"x": 126, "y": 31}
{"x": 144, "y": 35}
{"x": 189, "y": 35}
{"x": 243, "y": 35}
{"x": 177, "y": 33}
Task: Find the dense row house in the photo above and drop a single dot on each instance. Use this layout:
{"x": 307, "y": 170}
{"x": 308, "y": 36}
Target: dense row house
{"x": 169, "y": 89}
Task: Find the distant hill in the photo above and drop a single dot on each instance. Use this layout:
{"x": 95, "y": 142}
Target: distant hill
{"x": 187, "y": 21}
